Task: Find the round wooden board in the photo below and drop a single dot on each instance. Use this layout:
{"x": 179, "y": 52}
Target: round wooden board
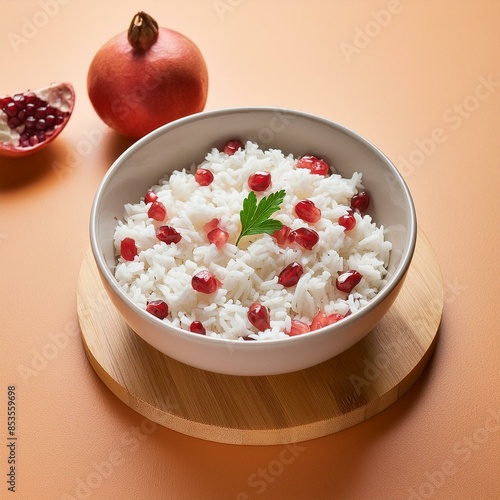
{"x": 278, "y": 409}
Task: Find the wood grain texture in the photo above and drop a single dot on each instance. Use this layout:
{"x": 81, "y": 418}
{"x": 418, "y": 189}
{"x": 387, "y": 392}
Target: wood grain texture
{"x": 279, "y": 409}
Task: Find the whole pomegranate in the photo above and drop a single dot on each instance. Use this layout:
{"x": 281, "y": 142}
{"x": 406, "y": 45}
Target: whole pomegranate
{"x": 30, "y": 120}
{"x": 146, "y": 77}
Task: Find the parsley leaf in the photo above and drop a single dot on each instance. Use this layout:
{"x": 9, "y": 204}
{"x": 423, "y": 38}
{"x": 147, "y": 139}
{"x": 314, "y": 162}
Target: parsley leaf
{"x": 255, "y": 217}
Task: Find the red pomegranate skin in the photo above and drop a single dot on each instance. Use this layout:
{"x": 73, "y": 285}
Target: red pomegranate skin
{"x": 136, "y": 91}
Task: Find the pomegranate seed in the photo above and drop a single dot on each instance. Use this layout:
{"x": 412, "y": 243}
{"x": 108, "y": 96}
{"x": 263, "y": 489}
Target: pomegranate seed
{"x": 30, "y": 98}
{"x": 211, "y": 225}
{"x": 259, "y": 181}
{"x": 205, "y": 282}
{"x": 290, "y": 275}
{"x": 307, "y": 211}
{"x": 157, "y": 211}
{"x": 128, "y": 249}
{"x": 11, "y": 109}
{"x": 348, "y": 280}
{"x": 347, "y": 221}
{"x": 197, "y": 327}
{"x": 305, "y": 237}
{"x": 218, "y": 237}
{"x": 282, "y": 236}
{"x": 258, "y": 315}
{"x": 314, "y": 164}
{"x": 19, "y": 99}
{"x": 168, "y": 234}
{"x": 41, "y": 112}
{"x": 30, "y": 122}
{"x": 320, "y": 168}
{"x": 203, "y": 177}
{"x": 333, "y": 318}
{"x": 13, "y": 122}
{"x": 360, "y": 201}
{"x": 158, "y": 308}
{"x": 298, "y": 328}
{"x": 321, "y": 320}
{"x": 150, "y": 197}
{"x": 232, "y": 146}
{"x": 30, "y": 109}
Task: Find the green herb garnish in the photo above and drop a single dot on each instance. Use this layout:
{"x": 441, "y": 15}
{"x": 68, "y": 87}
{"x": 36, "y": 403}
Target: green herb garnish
{"x": 255, "y": 218}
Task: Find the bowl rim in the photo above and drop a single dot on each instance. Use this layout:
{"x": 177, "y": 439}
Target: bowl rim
{"x": 393, "y": 280}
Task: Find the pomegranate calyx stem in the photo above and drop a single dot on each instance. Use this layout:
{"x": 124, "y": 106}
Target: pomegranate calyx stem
{"x": 142, "y": 32}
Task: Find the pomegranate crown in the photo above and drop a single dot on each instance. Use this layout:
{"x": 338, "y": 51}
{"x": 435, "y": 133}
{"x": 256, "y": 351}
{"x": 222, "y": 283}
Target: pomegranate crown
{"x": 142, "y": 32}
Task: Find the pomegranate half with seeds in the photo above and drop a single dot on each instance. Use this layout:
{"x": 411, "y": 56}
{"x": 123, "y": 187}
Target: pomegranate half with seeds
{"x": 146, "y": 77}
{"x": 30, "y": 120}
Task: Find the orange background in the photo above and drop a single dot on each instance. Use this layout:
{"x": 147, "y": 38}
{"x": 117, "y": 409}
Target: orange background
{"x": 420, "y": 79}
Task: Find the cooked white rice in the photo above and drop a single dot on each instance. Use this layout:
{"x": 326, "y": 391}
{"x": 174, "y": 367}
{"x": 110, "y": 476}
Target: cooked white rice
{"x": 249, "y": 272}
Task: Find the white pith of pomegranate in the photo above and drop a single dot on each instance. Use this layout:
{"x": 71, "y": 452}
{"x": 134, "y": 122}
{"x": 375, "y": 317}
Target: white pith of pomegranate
{"x": 31, "y": 120}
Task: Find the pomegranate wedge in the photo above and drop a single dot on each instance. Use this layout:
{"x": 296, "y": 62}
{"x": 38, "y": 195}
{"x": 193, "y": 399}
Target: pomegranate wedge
{"x": 31, "y": 120}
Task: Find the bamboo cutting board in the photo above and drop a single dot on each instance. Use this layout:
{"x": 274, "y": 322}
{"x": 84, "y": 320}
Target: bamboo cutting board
{"x": 278, "y": 409}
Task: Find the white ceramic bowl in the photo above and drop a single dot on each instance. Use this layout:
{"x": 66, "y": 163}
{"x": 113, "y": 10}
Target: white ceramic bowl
{"x": 186, "y": 141}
